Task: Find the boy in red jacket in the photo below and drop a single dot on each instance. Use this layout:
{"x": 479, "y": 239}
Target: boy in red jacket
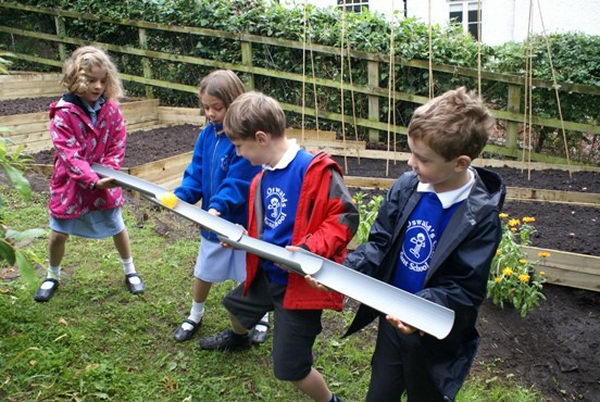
{"x": 298, "y": 200}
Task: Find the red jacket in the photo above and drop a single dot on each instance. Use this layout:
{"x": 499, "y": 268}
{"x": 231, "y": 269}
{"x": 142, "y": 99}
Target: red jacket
{"x": 325, "y": 223}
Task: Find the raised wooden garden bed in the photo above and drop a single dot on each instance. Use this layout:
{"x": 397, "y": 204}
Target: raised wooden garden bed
{"x": 31, "y": 129}
{"x": 24, "y": 85}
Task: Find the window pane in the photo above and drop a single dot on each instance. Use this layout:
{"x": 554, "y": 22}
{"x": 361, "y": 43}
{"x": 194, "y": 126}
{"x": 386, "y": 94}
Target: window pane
{"x": 473, "y": 30}
{"x": 456, "y": 7}
{"x": 472, "y": 16}
{"x": 456, "y": 16}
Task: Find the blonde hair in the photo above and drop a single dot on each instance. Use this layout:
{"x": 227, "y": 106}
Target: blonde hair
{"x": 80, "y": 64}
{"x": 453, "y": 124}
{"x": 224, "y": 85}
{"x": 252, "y": 112}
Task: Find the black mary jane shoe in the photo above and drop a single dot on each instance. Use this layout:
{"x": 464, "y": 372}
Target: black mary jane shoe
{"x": 43, "y": 295}
{"x": 182, "y": 334}
{"x": 134, "y": 288}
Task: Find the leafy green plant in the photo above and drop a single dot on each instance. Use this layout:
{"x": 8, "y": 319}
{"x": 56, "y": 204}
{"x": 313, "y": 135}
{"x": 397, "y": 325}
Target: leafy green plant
{"x": 12, "y": 162}
{"x": 513, "y": 278}
{"x": 368, "y": 212}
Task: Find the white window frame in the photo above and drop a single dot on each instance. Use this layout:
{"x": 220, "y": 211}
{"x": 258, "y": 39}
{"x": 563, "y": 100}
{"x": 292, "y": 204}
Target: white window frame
{"x": 465, "y": 7}
{"x": 353, "y": 5}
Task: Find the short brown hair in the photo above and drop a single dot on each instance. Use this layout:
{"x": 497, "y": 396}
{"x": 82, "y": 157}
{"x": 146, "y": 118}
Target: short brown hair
{"x": 252, "y": 112}
{"x": 81, "y": 62}
{"x": 453, "y": 124}
{"x": 224, "y": 85}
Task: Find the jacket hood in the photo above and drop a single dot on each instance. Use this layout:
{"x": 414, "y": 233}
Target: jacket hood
{"x": 489, "y": 189}
{"x": 323, "y": 160}
{"x": 67, "y": 101}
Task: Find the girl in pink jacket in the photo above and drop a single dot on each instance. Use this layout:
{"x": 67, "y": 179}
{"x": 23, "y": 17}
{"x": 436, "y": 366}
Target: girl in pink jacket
{"x": 86, "y": 127}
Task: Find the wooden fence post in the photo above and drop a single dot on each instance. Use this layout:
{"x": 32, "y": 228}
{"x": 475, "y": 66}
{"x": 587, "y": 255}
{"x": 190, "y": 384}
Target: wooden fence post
{"x": 514, "y": 105}
{"x": 247, "y": 61}
{"x": 373, "y": 81}
{"x": 146, "y": 65}
{"x": 59, "y": 23}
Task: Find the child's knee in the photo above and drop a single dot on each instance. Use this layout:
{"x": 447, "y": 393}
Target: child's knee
{"x": 57, "y": 237}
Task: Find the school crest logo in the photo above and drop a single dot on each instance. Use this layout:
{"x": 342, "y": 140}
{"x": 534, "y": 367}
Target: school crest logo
{"x": 275, "y": 203}
{"x": 224, "y": 164}
{"x": 419, "y": 243}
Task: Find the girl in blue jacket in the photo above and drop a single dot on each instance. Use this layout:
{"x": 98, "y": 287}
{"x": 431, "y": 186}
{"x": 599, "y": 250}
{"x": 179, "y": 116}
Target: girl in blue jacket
{"x": 221, "y": 180}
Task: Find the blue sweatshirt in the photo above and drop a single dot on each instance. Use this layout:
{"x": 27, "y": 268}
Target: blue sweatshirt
{"x": 218, "y": 177}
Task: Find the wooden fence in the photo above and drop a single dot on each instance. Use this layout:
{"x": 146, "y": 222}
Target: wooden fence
{"x": 512, "y": 115}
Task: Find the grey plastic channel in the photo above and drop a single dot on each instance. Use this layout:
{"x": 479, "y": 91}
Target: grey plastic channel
{"x": 413, "y": 310}
{"x": 154, "y": 193}
{"x": 298, "y": 262}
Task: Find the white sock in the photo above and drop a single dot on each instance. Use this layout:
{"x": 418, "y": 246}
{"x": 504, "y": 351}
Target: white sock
{"x": 261, "y": 327}
{"x": 128, "y": 266}
{"x": 195, "y": 315}
{"x": 53, "y": 272}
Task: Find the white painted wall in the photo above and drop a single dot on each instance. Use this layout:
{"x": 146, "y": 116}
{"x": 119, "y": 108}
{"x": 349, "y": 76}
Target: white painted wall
{"x": 503, "y": 20}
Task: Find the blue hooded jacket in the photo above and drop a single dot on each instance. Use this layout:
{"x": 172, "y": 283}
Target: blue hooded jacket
{"x": 218, "y": 177}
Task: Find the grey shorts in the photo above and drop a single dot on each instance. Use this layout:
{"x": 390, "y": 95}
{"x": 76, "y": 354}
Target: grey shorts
{"x": 294, "y": 331}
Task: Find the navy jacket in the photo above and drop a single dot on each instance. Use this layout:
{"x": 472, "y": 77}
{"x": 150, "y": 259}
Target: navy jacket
{"x": 458, "y": 273}
{"x": 218, "y": 177}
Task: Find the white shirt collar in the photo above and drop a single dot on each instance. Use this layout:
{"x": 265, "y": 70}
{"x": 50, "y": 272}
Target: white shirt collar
{"x": 449, "y": 198}
{"x": 287, "y": 157}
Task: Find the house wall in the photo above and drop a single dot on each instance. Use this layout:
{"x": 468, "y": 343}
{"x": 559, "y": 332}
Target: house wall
{"x": 502, "y": 20}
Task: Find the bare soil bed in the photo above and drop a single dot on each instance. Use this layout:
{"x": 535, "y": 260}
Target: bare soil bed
{"x": 146, "y": 146}
{"x": 551, "y": 179}
{"x": 32, "y": 105}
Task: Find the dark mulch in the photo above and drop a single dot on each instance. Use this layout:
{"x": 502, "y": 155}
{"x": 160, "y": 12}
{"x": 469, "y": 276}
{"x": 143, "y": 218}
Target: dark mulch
{"x": 564, "y": 227}
{"x": 147, "y": 146}
{"x": 551, "y": 179}
{"x": 555, "y": 347}
{"x": 32, "y": 105}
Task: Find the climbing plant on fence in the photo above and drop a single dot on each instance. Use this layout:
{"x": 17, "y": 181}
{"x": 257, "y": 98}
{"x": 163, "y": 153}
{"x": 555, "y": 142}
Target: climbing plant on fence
{"x": 365, "y": 32}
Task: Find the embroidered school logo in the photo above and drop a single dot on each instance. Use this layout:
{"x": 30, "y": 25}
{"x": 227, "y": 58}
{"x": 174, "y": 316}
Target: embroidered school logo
{"x": 275, "y": 203}
{"x": 419, "y": 243}
{"x": 224, "y": 165}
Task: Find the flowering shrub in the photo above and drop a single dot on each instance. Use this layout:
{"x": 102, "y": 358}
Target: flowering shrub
{"x": 513, "y": 278}
{"x": 368, "y": 212}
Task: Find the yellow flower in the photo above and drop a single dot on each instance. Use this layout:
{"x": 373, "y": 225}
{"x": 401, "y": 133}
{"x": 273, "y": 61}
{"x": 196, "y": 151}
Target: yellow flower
{"x": 542, "y": 273}
{"x": 524, "y": 278}
{"x": 502, "y": 215}
{"x": 497, "y": 280}
{"x": 528, "y": 219}
{"x": 522, "y": 261}
{"x": 543, "y": 254}
{"x": 499, "y": 251}
{"x": 354, "y": 200}
{"x": 513, "y": 229}
{"x": 514, "y": 222}
{"x": 507, "y": 271}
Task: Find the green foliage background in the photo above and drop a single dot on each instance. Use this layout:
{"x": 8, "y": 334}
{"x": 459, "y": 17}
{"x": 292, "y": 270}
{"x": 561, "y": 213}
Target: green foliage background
{"x": 575, "y": 55}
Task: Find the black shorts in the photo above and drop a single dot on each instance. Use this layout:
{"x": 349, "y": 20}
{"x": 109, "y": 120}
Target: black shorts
{"x": 294, "y": 331}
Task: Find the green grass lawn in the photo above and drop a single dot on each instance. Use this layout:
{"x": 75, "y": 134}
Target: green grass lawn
{"x": 95, "y": 341}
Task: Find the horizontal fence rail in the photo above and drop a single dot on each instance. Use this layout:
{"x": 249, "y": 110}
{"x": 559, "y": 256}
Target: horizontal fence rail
{"x": 513, "y": 115}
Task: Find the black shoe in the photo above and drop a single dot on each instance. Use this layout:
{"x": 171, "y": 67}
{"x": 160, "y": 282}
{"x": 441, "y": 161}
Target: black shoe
{"x": 257, "y": 336}
{"x": 226, "y": 340}
{"x": 43, "y": 295}
{"x": 185, "y": 334}
{"x": 335, "y": 398}
{"x": 134, "y": 288}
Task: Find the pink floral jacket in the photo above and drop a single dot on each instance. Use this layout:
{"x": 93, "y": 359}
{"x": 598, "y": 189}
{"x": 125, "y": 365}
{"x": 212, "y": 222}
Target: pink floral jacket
{"x": 78, "y": 144}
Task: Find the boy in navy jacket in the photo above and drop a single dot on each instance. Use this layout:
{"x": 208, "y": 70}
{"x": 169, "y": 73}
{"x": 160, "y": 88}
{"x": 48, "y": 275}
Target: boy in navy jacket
{"x": 435, "y": 236}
